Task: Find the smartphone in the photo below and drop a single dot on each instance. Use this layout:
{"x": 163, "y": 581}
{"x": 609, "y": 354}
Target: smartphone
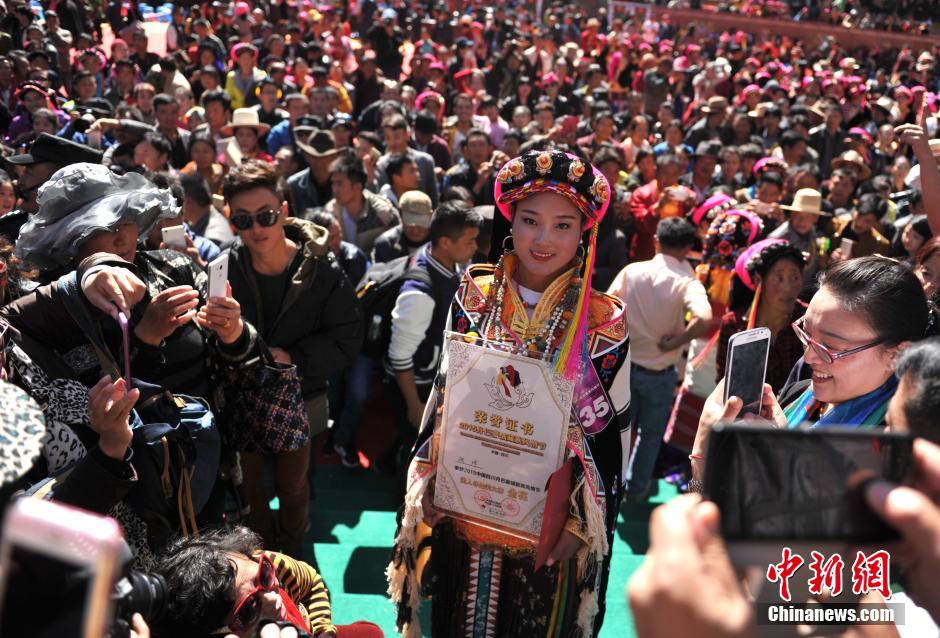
{"x": 804, "y": 486}
{"x": 218, "y": 275}
{"x": 746, "y": 367}
{"x": 846, "y": 247}
{"x": 64, "y": 557}
{"x": 174, "y": 237}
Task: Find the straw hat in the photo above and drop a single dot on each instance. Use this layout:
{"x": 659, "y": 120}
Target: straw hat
{"x": 853, "y": 160}
{"x": 716, "y": 104}
{"x": 245, "y": 118}
{"x": 807, "y": 200}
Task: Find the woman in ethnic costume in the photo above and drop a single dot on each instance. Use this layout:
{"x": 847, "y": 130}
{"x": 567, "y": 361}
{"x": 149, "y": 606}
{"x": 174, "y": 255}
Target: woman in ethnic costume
{"x": 536, "y": 300}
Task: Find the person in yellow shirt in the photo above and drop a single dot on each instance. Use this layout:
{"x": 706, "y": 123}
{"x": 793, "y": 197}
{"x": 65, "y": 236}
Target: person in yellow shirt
{"x": 224, "y": 581}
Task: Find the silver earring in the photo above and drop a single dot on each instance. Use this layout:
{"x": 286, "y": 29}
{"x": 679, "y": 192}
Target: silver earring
{"x": 508, "y": 237}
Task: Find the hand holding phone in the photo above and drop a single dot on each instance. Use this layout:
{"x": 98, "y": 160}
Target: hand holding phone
{"x": 845, "y": 247}
{"x": 218, "y": 275}
{"x": 746, "y": 368}
{"x": 174, "y": 237}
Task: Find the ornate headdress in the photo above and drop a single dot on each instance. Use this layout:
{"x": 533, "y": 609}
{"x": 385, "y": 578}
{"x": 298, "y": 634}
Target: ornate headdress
{"x": 554, "y": 171}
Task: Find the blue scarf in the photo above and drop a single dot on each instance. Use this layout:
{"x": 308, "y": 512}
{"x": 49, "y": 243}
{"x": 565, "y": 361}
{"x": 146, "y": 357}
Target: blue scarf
{"x": 866, "y": 411}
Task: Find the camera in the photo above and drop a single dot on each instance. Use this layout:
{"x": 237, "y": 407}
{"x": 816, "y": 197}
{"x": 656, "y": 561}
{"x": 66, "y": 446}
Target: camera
{"x": 137, "y": 593}
{"x": 83, "y": 123}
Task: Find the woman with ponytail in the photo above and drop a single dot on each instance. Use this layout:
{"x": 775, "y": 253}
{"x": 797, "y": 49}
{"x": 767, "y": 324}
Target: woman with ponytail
{"x": 536, "y": 302}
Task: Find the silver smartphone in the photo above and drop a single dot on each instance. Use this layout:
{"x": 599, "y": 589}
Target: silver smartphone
{"x": 846, "y": 247}
{"x": 218, "y": 275}
{"x": 174, "y": 237}
{"x": 746, "y": 367}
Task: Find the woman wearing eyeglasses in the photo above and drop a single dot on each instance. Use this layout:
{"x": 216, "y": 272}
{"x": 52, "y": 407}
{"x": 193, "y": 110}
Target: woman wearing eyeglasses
{"x": 224, "y": 584}
{"x": 305, "y": 310}
{"x": 866, "y": 311}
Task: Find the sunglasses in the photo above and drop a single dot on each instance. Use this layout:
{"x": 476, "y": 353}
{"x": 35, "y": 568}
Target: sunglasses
{"x": 265, "y": 219}
{"x": 248, "y": 611}
{"x": 827, "y": 355}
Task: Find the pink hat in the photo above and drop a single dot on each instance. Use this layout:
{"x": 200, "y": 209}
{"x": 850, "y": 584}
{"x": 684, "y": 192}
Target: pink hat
{"x": 767, "y": 162}
{"x": 241, "y": 8}
{"x": 862, "y": 133}
{"x": 241, "y": 47}
{"x": 754, "y": 256}
{"x": 711, "y": 207}
{"x": 681, "y": 64}
{"x": 550, "y": 78}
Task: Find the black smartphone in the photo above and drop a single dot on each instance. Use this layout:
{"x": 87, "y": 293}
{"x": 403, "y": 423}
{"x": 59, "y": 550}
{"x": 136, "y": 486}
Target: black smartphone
{"x": 746, "y": 367}
{"x": 803, "y": 484}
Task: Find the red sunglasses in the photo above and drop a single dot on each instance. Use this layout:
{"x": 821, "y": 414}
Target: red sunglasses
{"x": 248, "y": 610}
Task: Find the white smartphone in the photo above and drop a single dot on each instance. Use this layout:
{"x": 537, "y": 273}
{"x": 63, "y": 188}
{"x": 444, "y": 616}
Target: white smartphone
{"x": 218, "y": 275}
{"x": 174, "y": 237}
{"x": 62, "y": 555}
{"x": 846, "y": 247}
{"x": 746, "y": 367}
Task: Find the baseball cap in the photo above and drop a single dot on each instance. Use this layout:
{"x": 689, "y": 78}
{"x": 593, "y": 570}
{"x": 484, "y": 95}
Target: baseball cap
{"x": 415, "y": 209}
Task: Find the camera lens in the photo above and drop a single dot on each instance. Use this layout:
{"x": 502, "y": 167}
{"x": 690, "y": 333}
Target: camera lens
{"x": 140, "y": 593}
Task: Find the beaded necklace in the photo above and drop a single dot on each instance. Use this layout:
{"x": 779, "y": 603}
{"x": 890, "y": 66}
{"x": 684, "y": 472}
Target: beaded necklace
{"x": 538, "y": 346}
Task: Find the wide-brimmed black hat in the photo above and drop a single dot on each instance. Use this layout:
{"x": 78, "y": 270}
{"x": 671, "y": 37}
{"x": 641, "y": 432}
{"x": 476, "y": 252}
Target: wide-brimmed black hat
{"x": 320, "y": 143}
{"x": 58, "y": 150}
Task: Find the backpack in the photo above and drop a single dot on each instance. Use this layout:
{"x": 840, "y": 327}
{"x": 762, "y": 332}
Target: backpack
{"x": 377, "y": 293}
{"x": 176, "y": 443}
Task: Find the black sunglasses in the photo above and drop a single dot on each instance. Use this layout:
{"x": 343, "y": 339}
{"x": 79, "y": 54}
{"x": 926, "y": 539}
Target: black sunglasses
{"x": 265, "y": 219}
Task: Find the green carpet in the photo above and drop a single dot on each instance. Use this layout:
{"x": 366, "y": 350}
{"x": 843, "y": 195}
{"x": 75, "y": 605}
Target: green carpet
{"x": 354, "y": 524}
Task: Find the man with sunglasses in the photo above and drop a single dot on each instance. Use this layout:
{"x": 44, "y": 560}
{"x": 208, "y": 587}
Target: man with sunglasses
{"x": 299, "y": 299}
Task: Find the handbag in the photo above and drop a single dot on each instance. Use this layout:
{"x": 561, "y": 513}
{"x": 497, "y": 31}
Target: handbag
{"x": 264, "y": 405}
{"x": 176, "y": 443}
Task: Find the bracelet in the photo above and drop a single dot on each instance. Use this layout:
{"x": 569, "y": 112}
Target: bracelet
{"x": 695, "y": 486}
{"x": 696, "y": 457}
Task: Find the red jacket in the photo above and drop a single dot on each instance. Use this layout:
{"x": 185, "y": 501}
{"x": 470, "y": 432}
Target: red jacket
{"x": 643, "y": 206}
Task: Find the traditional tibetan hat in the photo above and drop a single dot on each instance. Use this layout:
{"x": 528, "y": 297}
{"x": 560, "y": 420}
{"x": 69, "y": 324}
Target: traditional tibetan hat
{"x": 759, "y": 256}
{"x": 555, "y": 172}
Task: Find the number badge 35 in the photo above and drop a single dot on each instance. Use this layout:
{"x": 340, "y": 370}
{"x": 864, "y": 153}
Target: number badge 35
{"x": 591, "y": 403}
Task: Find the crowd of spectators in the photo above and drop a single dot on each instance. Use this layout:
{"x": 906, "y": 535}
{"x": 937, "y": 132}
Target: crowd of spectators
{"x": 906, "y": 16}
